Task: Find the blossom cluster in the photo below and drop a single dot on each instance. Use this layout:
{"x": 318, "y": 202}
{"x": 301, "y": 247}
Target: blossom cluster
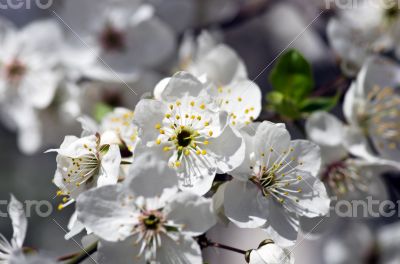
{"x": 174, "y": 149}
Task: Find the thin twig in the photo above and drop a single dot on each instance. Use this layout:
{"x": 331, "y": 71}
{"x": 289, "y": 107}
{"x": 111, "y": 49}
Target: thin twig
{"x": 84, "y": 254}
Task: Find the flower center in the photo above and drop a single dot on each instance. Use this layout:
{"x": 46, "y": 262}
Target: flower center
{"x": 152, "y": 222}
{"x": 380, "y": 117}
{"x": 343, "y": 177}
{"x": 185, "y": 130}
{"x": 184, "y": 137}
{"x": 112, "y": 39}
{"x": 15, "y": 71}
{"x": 277, "y": 178}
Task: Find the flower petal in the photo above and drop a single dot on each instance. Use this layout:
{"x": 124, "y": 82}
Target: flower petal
{"x": 195, "y": 213}
{"x": 228, "y": 149}
{"x": 110, "y": 166}
{"x": 149, "y": 113}
{"x": 282, "y": 226}
{"x": 107, "y": 212}
{"x": 149, "y": 176}
{"x": 243, "y": 204}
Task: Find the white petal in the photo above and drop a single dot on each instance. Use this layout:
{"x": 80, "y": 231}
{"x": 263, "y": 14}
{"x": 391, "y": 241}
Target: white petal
{"x": 120, "y": 252}
{"x": 195, "y": 213}
{"x": 185, "y": 251}
{"x": 272, "y": 140}
{"x": 19, "y": 222}
{"x": 221, "y": 65}
{"x": 110, "y": 165}
{"x": 313, "y": 199}
{"x": 282, "y": 226}
{"x": 196, "y": 173}
{"x": 241, "y": 99}
{"x": 181, "y": 84}
{"x": 324, "y": 129}
{"x": 149, "y": 176}
{"x": 243, "y": 204}
{"x": 307, "y": 156}
{"x": 148, "y": 113}
{"x": 228, "y": 149}
{"x": 107, "y": 212}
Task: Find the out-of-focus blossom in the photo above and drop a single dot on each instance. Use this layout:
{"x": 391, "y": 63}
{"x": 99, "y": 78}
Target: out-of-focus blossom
{"x": 345, "y": 176}
{"x": 191, "y": 133}
{"x": 350, "y": 243}
{"x": 194, "y": 13}
{"x": 29, "y": 77}
{"x": 145, "y": 218}
{"x": 367, "y": 27}
{"x": 218, "y": 66}
{"x": 372, "y": 109}
{"x": 31, "y": 259}
{"x": 9, "y": 252}
{"x": 276, "y": 183}
{"x": 269, "y": 253}
{"x": 118, "y": 39}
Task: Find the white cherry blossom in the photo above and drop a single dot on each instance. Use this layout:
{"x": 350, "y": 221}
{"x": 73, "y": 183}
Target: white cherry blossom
{"x": 371, "y": 108}
{"x": 84, "y": 163}
{"x": 219, "y": 66}
{"x": 276, "y": 184}
{"x": 117, "y": 38}
{"x": 191, "y": 133}
{"x": 145, "y": 218}
{"x": 345, "y": 176}
{"x": 367, "y": 27}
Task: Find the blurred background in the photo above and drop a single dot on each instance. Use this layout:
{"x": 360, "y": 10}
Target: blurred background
{"x": 258, "y": 31}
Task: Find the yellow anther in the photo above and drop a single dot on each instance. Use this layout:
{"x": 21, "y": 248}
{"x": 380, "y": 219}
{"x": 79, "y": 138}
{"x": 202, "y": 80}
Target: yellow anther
{"x": 59, "y": 193}
{"x": 205, "y": 142}
{"x": 171, "y": 106}
{"x": 220, "y": 89}
{"x": 206, "y": 123}
{"x": 202, "y": 106}
{"x": 186, "y": 116}
{"x": 178, "y": 103}
{"x": 162, "y": 131}
{"x": 210, "y": 133}
{"x": 158, "y": 141}
{"x": 168, "y": 115}
{"x": 157, "y": 126}
{"x": 60, "y": 207}
{"x": 187, "y": 152}
{"x": 177, "y": 117}
{"x": 246, "y": 111}
{"x": 166, "y": 148}
{"x": 193, "y": 117}
{"x": 177, "y": 163}
{"x": 239, "y": 99}
{"x": 198, "y": 152}
{"x": 299, "y": 178}
{"x": 192, "y": 103}
{"x": 199, "y": 118}
{"x": 203, "y": 152}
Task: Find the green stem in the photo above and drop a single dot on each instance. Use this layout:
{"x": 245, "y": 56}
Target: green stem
{"x": 79, "y": 257}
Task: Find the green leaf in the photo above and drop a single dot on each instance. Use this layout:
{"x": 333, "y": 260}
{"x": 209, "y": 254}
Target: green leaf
{"x": 283, "y": 106}
{"x": 318, "y": 104}
{"x": 292, "y": 76}
{"x": 100, "y": 110}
